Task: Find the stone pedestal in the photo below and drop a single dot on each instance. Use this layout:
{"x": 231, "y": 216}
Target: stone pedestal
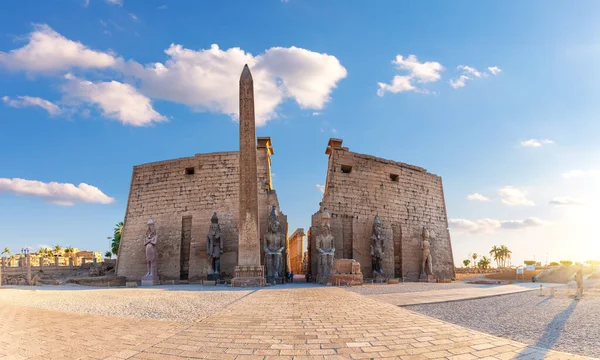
{"x": 427, "y": 278}
{"x": 274, "y": 280}
{"x": 248, "y": 275}
{"x": 150, "y": 280}
{"x": 345, "y": 272}
{"x": 213, "y": 277}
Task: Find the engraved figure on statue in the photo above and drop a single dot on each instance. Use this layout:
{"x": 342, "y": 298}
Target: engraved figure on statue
{"x": 214, "y": 244}
{"x": 426, "y": 263}
{"x": 325, "y": 244}
{"x": 274, "y": 246}
{"x": 377, "y": 247}
{"x": 150, "y": 244}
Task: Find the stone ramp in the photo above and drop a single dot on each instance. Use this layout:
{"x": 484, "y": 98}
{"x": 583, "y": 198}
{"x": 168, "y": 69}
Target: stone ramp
{"x": 457, "y": 294}
{"x": 305, "y": 323}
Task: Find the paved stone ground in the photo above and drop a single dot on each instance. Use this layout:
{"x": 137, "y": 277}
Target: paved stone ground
{"x": 302, "y": 323}
{"x": 407, "y": 287}
{"x": 458, "y": 293}
{"x": 557, "y": 322}
{"x": 176, "y": 303}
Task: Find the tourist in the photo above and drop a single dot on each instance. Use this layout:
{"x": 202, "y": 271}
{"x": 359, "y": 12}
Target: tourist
{"x": 579, "y": 281}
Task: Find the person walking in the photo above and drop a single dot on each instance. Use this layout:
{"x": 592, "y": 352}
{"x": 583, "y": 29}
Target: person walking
{"x": 579, "y": 281}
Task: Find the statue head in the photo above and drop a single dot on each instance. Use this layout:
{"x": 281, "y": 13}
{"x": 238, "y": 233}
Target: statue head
{"x": 274, "y": 220}
{"x": 214, "y": 223}
{"x": 151, "y": 228}
{"x": 377, "y": 226}
{"x": 325, "y": 217}
{"x": 425, "y": 234}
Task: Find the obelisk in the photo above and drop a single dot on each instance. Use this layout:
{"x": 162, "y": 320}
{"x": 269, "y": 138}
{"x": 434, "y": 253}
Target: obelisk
{"x": 249, "y": 271}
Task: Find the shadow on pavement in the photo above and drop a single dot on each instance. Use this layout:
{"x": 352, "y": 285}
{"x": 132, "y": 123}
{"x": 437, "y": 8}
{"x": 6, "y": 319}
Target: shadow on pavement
{"x": 551, "y": 335}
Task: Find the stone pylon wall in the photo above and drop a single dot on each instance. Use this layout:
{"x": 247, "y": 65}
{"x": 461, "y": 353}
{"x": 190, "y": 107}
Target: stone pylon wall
{"x": 164, "y": 191}
{"x": 405, "y": 198}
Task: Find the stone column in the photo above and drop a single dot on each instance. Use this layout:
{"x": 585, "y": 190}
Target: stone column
{"x": 28, "y": 269}
{"x": 249, "y": 271}
{"x": 56, "y": 261}
{"x": 41, "y": 261}
{"x": 70, "y": 261}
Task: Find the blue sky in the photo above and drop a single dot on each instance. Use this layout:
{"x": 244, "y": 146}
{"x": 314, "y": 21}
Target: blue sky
{"x": 82, "y": 101}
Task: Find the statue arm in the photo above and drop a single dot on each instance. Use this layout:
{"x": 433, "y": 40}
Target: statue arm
{"x": 154, "y": 239}
{"x": 220, "y": 243}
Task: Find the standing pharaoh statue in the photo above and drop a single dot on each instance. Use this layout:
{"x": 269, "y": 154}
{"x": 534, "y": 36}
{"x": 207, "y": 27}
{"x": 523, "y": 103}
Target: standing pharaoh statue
{"x": 274, "y": 246}
{"x": 325, "y": 245}
{"x": 151, "y": 277}
{"x": 377, "y": 247}
{"x": 426, "y": 263}
{"x": 214, "y": 245}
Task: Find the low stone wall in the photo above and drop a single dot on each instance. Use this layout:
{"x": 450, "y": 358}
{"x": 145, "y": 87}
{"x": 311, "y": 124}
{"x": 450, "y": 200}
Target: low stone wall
{"x": 105, "y": 281}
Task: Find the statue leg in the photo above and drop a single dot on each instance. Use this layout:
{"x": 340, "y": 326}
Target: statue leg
{"x": 277, "y": 270}
{"x": 430, "y": 264}
{"x": 217, "y": 265}
{"x": 149, "y": 268}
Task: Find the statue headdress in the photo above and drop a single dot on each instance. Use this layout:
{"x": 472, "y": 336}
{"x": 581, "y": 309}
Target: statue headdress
{"x": 214, "y": 219}
{"x": 150, "y": 221}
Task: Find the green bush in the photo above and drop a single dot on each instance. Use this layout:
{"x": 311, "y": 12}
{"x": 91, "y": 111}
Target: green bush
{"x": 554, "y": 263}
{"x": 566, "y": 262}
{"x": 530, "y": 262}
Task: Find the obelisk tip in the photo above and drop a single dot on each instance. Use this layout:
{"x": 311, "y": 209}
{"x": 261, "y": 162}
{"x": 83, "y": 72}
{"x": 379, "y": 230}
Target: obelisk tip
{"x": 246, "y": 73}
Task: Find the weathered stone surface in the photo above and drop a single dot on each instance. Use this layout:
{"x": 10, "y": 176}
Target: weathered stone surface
{"x": 406, "y": 198}
{"x": 249, "y": 243}
{"x": 295, "y": 250}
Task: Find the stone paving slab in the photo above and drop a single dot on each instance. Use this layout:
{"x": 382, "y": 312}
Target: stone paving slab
{"x": 309, "y": 323}
{"x": 457, "y": 294}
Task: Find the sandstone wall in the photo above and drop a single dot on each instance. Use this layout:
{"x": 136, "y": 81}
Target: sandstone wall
{"x": 405, "y": 198}
{"x": 295, "y": 250}
{"x": 182, "y": 205}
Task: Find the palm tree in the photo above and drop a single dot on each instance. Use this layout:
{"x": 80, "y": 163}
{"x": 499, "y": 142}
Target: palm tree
{"x": 58, "y": 250}
{"x": 69, "y": 251}
{"x": 6, "y": 251}
{"x": 484, "y": 263}
{"x": 495, "y": 254}
{"x": 474, "y": 256}
{"x": 466, "y": 262}
{"x": 116, "y": 240}
{"x": 505, "y": 254}
{"x": 108, "y": 254}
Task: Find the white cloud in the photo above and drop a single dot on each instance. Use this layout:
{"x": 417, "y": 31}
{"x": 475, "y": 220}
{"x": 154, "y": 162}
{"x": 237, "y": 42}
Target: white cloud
{"x": 579, "y": 173}
{"x": 321, "y": 188}
{"x": 494, "y": 70}
{"x": 470, "y": 73}
{"x": 565, "y": 201}
{"x": 208, "y": 79}
{"x": 57, "y": 193}
{"x": 461, "y": 81}
{"x": 205, "y": 79}
{"x": 418, "y": 72}
{"x": 116, "y": 100}
{"x": 162, "y": 7}
{"x": 477, "y": 197}
{"x": 514, "y": 197}
{"x": 27, "y": 101}
{"x": 492, "y": 225}
{"x": 133, "y": 16}
{"x": 536, "y": 143}
{"x": 470, "y": 70}
{"x": 48, "y": 51}
{"x": 316, "y": 113}
{"x": 115, "y": 2}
